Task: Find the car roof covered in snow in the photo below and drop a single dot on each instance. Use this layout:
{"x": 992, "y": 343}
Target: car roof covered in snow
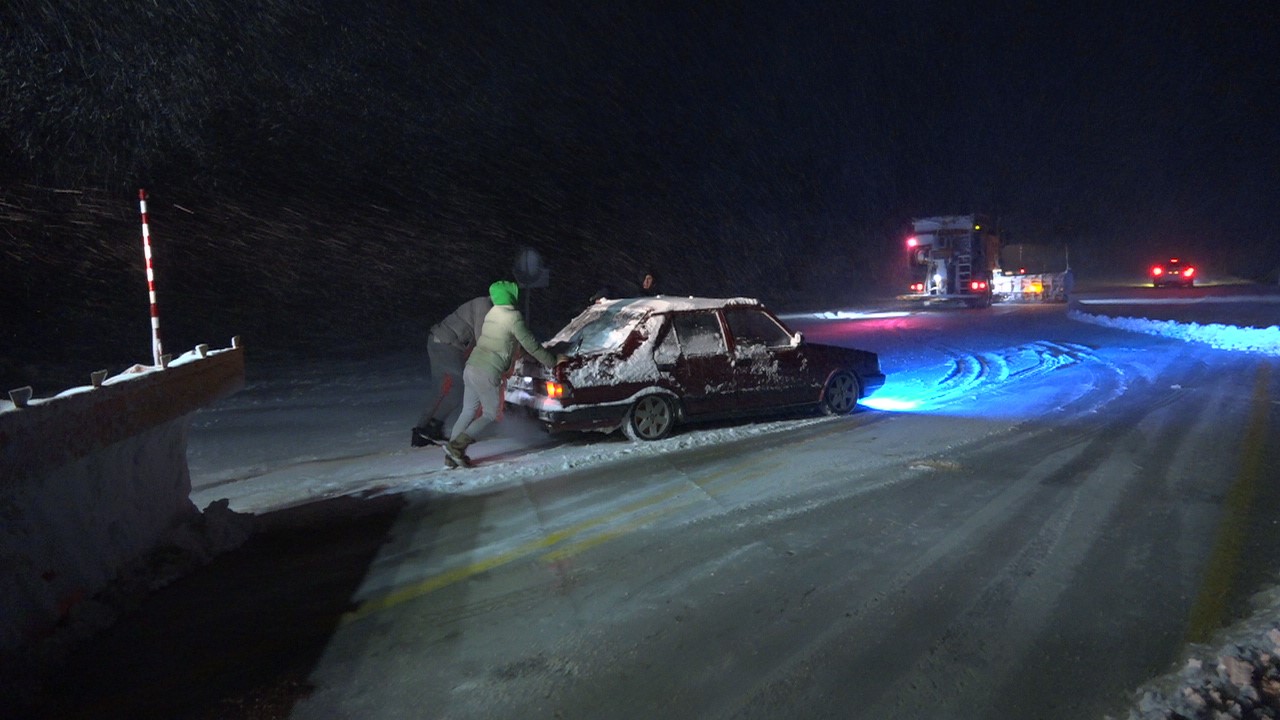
{"x": 668, "y": 303}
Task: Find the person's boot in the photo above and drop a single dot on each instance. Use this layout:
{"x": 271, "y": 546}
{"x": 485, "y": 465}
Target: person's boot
{"x": 434, "y": 429}
{"x": 419, "y": 437}
{"x": 456, "y": 451}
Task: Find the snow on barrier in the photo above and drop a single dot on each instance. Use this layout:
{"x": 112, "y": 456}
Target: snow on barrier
{"x": 96, "y": 478}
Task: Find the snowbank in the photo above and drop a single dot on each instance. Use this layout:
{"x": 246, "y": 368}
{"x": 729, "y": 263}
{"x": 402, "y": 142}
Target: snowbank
{"x": 1239, "y": 678}
{"x": 1222, "y": 337}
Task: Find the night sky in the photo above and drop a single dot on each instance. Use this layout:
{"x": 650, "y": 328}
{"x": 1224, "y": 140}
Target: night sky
{"x": 328, "y": 177}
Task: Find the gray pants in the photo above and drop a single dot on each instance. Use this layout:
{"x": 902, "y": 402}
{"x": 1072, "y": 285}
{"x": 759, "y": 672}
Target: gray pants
{"x": 481, "y": 391}
{"x": 445, "y": 394}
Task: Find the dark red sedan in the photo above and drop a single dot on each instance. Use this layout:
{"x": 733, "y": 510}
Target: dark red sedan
{"x": 645, "y": 365}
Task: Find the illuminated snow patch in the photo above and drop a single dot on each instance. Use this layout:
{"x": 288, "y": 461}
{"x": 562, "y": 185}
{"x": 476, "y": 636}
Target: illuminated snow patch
{"x": 890, "y": 404}
{"x": 1222, "y": 337}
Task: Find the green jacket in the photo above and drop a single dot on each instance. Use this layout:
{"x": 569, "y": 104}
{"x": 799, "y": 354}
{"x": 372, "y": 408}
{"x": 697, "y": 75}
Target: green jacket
{"x": 503, "y": 328}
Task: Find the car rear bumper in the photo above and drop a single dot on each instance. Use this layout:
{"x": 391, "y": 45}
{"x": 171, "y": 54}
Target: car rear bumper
{"x": 871, "y": 383}
{"x": 556, "y": 417}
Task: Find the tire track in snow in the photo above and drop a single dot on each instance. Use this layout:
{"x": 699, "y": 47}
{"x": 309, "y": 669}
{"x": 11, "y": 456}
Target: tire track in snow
{"x": 972, "y": 374}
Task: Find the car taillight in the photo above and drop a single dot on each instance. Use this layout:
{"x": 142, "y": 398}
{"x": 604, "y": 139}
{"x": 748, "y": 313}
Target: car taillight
{"x": 1157, "y": 270}
{"x": 555, "y": 389}
{"x": 978, "y": 285}
{"x": 912, "y": 242}
{"x": 1189, "y": 272}
{"x": 917, "y": 287}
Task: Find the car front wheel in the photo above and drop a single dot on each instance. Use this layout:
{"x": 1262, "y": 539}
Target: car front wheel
{"x": 651, "y": 418}
{"x": 840, "y": 396}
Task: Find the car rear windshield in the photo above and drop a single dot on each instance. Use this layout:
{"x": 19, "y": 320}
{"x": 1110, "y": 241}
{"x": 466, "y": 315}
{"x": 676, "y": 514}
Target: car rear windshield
{"x": 601, "y": 327}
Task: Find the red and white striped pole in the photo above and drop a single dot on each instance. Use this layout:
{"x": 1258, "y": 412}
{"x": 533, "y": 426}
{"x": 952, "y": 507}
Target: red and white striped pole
{"x": 156, "y": 350}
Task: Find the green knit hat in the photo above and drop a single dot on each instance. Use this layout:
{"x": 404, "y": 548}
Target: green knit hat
{"x": 504, "y": 292}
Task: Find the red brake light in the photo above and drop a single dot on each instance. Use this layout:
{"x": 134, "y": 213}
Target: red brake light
{"x": 912, "y": 242}
{"x": 1189, "y": 272}
{"x": 554, "y": 389}
{"x": 1157, "y": 270}
{"x": 978, "y": 285}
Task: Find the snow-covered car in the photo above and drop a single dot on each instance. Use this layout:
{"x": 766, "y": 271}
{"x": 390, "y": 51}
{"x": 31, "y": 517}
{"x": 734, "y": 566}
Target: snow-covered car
{"x": 645, "y": 365}
{"x": 1174, "y": 272}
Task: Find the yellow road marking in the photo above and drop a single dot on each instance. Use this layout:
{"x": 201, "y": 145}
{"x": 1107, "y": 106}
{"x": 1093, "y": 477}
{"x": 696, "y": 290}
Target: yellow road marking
{"x": 449, "y": 577}
{"x": 1210, "y": 612}
{"x": 571, "y": 549}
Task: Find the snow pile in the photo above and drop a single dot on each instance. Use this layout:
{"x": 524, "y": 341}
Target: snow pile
{"x": 1240, "y": 680}
{"x": 1222, "y": 337}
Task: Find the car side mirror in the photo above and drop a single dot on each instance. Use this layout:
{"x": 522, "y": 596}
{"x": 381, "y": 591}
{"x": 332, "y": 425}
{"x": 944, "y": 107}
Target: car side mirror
{"x": 797, "y": 339}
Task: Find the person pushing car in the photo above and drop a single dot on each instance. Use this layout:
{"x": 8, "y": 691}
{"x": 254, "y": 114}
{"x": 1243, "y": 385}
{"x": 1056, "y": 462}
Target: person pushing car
{"x": 503, "y": 331}
{"x": 449, "y": 344}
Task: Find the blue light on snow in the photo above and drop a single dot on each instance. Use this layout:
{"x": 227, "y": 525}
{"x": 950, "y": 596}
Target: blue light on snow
{"x": 889, "y": 404}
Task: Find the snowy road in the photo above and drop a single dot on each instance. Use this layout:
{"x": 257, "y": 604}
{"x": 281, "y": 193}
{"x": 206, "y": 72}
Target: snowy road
{"x": 1036, "y": 520}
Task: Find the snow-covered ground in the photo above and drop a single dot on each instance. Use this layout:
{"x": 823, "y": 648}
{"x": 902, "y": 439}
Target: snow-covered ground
{"x": 304, "y": 459}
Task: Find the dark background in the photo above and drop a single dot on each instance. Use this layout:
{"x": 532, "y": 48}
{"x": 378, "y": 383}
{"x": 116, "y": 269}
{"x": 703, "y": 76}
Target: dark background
{"x": 331, "y": 178}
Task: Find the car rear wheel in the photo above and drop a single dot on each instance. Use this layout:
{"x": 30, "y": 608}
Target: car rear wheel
{"x": 840, "y": 396}
{"x": 651, "y": 418}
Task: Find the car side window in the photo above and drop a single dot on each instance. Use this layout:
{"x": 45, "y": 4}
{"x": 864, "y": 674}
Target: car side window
{"x": 754, "y": 327}
{"x": 699, "y": 333}
{"x": 667, "y": 351}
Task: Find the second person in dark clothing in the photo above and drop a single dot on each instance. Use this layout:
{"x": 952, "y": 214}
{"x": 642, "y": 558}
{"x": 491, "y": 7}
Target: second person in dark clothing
{"x": 449, "y": 344}
{"x": 649, "y": 284}
{"x": 648, "y": 287}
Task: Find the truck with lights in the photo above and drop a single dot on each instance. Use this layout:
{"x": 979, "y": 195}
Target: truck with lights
{"x": 953, "y": 258}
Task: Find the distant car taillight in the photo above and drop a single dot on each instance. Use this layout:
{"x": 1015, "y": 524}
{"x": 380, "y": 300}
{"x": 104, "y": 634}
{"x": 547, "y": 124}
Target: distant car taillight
{"x": 978, "y": 285}
{"x": 555, "y": 390}
{"x": 1189, "y": 272}
{"x": 917, "y": 287}
{"x": 1157, "y": 270}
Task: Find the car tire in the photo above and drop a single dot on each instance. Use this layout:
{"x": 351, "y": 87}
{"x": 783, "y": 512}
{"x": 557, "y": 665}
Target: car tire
{"x": 652, "y": 417}
{"x": 840, "y": 396}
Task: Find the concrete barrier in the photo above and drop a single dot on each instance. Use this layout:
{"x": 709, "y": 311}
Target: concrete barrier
{"x": 92, "y": 479}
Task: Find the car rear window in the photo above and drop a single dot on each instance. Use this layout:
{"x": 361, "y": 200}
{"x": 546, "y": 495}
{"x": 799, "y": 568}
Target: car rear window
{"x": 600, "y": 327}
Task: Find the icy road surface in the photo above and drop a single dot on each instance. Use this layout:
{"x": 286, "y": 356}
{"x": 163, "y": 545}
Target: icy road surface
{"x": 1036, "y": 519}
